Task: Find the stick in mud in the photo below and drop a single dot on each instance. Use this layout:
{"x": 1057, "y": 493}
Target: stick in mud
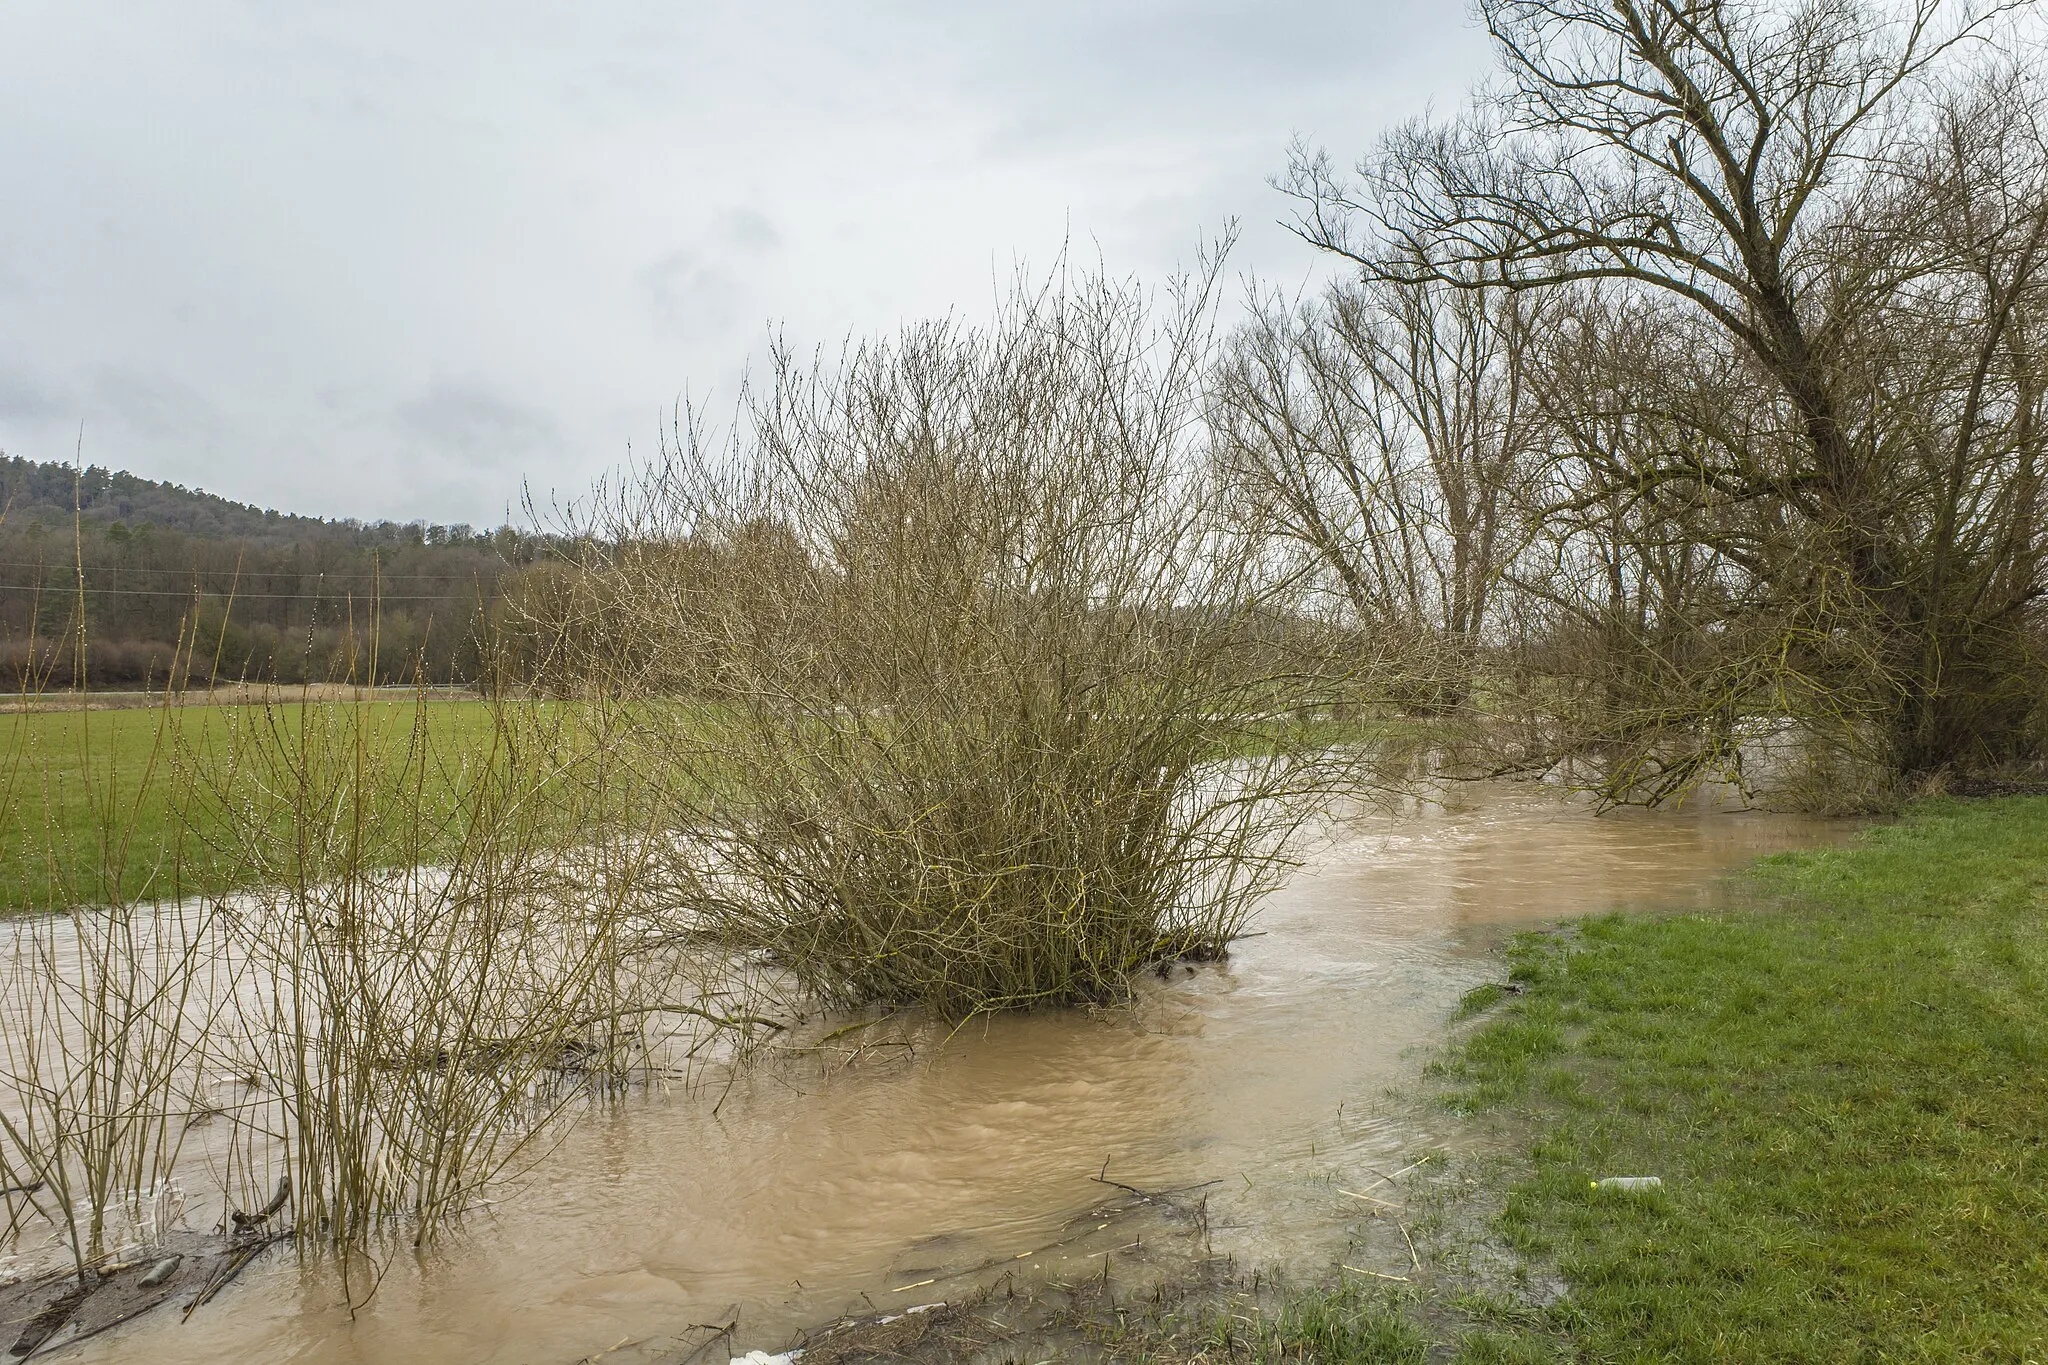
{"x": 1102, "y": 1178}
{"x": 237, "y": 1262}
{"x": 247, "y": 1222}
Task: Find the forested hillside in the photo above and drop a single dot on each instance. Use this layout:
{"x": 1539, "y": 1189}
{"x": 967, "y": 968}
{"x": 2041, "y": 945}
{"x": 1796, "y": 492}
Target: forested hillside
{"x": 258, "y": 593}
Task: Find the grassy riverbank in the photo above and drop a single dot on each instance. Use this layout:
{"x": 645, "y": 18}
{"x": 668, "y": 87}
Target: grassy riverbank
{"x": 1844, "y": 1089}
{"x": 1843, "y": 1086}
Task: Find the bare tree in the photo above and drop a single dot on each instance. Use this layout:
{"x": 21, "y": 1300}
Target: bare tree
{"x": 959, "y": 688}
{"x": 1382, "y": 432}
{"x": 1838, "y": 205}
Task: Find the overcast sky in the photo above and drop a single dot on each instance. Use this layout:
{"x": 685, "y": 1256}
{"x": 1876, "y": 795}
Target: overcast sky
{"x": 393, "y": 259}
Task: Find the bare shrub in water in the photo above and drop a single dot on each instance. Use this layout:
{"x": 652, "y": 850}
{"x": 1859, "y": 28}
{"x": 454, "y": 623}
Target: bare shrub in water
{"x": 966, "y": 697}
{"x": 429, "y": 960}
{"x": 103, "y": 1000}
{"x": 102, "y": 1013}
{"x": 432, "y": 947}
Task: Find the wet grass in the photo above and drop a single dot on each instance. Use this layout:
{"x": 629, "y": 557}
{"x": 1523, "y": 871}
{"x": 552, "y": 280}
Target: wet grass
{"x": 1843, "y": 1090}
{"x": 1340, "y": 1325}
{"x": 97, "y": 806}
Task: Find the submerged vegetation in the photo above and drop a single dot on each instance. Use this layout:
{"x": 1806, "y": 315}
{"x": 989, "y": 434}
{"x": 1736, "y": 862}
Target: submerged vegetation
{"x": 945, "y": 683}
{"x": 421, "y": 947}
{"x": 1836, "y": 1083}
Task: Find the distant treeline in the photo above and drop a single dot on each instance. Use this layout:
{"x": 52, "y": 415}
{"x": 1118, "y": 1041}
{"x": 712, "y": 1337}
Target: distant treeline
{"x": 254, "y": 593}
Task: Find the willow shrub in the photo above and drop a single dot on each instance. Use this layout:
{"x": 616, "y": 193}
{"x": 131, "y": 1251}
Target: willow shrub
{"x": 963, "y": 692}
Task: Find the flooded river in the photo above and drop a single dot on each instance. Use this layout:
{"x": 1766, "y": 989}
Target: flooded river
{"x": 817, "y": 1186}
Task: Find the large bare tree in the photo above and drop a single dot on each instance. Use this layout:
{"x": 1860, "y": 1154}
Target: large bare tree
{"x": 1381, "y": 431}
{"x": 1840, "y": 206}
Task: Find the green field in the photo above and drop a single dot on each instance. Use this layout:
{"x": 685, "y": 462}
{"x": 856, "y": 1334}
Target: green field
{"x": 156, "y": 802}
{"x": 137, "y": 803}
{"x": 1845, "y": 1092}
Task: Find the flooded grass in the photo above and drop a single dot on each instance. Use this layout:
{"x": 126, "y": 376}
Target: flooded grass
{"x": 418, "y": 1108}
{"x": 1842, "y": 1093}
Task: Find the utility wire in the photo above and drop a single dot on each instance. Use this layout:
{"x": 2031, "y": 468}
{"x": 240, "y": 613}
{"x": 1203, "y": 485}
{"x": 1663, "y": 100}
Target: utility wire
{"x": 224, "y": 573}
{"x": 67, "y": 589}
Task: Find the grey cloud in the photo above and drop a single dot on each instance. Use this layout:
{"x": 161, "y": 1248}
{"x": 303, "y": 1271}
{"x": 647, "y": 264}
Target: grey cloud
{"x": 583, "y": 212}
{"x": 1064, "y": 70}
{"x": 156, "y": 406}
{"x": 695, "y": 293}
{"x": 25, "y": 398}
{"x": 749, "y": 230}
{"x": 690, "y": 297}
{"x": 471, "y": 423}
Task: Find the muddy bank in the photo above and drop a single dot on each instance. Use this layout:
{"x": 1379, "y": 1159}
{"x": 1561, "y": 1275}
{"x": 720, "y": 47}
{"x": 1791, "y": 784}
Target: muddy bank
{"x": 180, "y": 1274}
{"x": 1421, "y": 1264}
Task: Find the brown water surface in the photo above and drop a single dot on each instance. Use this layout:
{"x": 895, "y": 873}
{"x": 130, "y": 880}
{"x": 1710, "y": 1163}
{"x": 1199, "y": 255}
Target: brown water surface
{"x": 816, "y": 1186}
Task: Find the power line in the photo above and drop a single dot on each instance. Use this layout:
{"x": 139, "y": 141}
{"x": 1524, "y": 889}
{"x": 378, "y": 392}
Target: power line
{"x": 67, "y": 589}
{"x": 228, "y": 573}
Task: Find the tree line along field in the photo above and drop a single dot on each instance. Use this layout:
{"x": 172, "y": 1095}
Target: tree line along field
{"x": 157, "y": 573}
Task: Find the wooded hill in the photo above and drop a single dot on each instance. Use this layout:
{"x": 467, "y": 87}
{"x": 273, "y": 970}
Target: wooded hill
{"x": 258, "y": 593}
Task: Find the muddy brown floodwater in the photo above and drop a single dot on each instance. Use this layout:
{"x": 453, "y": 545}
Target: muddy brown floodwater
{"x": 820, "y": 1187}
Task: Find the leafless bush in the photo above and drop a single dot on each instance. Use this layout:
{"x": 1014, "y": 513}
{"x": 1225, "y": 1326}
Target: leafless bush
{"x": 967, "y": 694}
{"x": 101, "y": 1013}
{"x": 435, "y": 947}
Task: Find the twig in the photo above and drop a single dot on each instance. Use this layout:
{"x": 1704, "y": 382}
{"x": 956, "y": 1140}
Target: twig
{"x": 107, "y": 1326}
{"x": 1102, "y": 1178}
{"x": 243, "y": 1222}
{"x": 722, "y": 1020}
{"x": 237, "y": 1263}
{"x": 1385, "y": 1179}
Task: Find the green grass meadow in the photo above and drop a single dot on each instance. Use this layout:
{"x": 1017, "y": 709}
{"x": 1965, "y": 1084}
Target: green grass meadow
{"x": 135, "y": 803}
{"x": 1844, "y": 1089}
